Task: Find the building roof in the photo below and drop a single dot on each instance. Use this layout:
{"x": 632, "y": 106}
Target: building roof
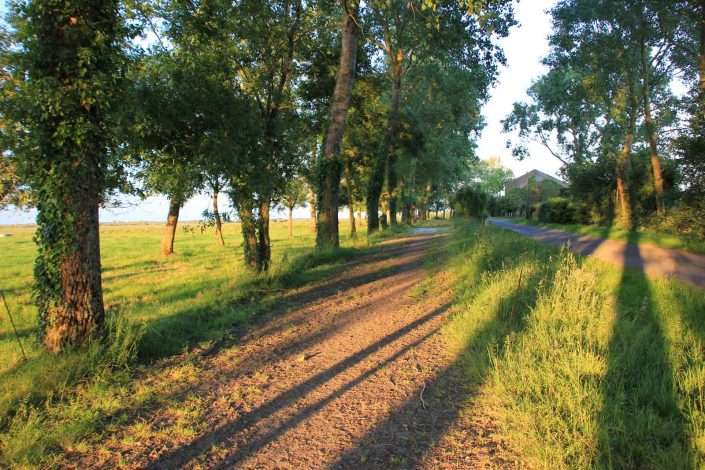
{"x": 523, "y": 180}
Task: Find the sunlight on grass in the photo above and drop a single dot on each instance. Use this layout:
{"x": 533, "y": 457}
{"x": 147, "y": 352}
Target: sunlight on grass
{"x": 606, "y": 368}
{"x": 157, "y": 307}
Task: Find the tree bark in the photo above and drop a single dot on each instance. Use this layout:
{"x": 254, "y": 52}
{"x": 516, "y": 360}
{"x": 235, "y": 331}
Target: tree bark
{"x": 651, "y": 131}
{"x": 291, "y": 222}
{"x": 327, "y": 235}
{"x": 172, "y": 220}
{"x": 623, "y": 166}
{"x": 351, "y": 206}
{"x": 218, "y": 223}
{"x": 393, "y": 132}
{"x": 265, "y": 248}
{"x": 359, "y": 215}
{"x": 249, "y": 235}
{"x": 80, "y": 313}
{"x": 312, "y": 210}
{"x": 374, "y": 192}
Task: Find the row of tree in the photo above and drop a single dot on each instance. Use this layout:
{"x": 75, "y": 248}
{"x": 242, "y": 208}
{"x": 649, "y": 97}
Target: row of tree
{"x": 631, "y": 148}
{"x": 372, "y": 103}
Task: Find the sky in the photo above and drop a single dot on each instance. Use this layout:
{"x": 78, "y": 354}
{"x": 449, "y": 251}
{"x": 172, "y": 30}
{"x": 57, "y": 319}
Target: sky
{"x": 524, "y": 48}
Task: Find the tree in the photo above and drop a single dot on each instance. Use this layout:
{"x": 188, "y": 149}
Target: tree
{"x": 330, "y": 167}
{"x": 67, "y": 64}
{"x": 294, "y": 196}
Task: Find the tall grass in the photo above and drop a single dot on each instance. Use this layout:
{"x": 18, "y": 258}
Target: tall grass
{"x": 597, "y": 367}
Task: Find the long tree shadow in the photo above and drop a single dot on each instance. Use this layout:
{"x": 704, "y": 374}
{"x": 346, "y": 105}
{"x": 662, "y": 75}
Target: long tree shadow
{"x": 414, "y": 429}
{"x": 181, "y": 456}
{"x": 640, "y": 425}
{"x": 167, "y": 335}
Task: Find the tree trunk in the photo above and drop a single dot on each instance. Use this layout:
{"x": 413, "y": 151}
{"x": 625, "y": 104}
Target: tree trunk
{"x": 393, "y": 132}
{"x": 374, "y": 192}
{"x": 351, "y": 206}
{"x": 623, "y": 167}
{"x": 291, "y": 222}
{"x": 359, "y": 215}
{"x": 249, "y": 235}
{"x": 327, "y": 235}
{"x": 218, "y": 223}
{"x": 312, "y": 210}
{"x": 265, "y": 248}
{"x": 170, "y": 230}
{"x": 651, "y": 131}
{"x": 79, "y": 314}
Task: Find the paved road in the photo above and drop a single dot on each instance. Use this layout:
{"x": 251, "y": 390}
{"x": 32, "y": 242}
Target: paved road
{"x": 651, "y": 259}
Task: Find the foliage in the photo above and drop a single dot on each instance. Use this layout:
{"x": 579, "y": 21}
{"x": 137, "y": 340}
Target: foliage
{"x": 558, "y": 210}
{"x": 471, "y": 202}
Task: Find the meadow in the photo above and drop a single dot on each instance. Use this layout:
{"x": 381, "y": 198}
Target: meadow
{"x": 585, "y": 364}
{"x": 157, "y": 307}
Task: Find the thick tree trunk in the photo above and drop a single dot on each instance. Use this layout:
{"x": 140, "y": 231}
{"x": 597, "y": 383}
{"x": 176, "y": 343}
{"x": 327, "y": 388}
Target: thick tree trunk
{"x": 393, "y": 132}
{"x": 327, "y": 235}
{"x": 265, "y": 247}
{"x": 79, "y": 314}
{"x": 651, "y": 132}
{"x": 172, "y": 219}
{"x": 249, "y": 235}
{"x": 218, "y": 223}
{"x": 312, "y": 210}
{"x": 291, "y": 222}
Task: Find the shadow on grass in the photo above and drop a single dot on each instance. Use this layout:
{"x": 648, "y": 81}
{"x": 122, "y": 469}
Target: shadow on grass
{"x": 189, "y": 327}
{"x": 641, "y": 425}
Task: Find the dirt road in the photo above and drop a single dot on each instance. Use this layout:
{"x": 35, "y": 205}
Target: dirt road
{"x": 651, "y": 259}
{"x": 348, "y": 373}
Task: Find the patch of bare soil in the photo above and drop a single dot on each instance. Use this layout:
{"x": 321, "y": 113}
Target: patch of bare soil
{"x": 347, "y": 373}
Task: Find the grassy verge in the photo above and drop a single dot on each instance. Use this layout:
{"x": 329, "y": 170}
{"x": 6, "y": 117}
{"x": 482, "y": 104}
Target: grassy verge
{"x": 588, "y": 365}
{"x": 663, "y": 240}
{"x": 157, "y": 308}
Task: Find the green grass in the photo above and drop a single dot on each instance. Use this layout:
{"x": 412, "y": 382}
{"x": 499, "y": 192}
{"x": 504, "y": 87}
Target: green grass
{"x": 157, "y": 308}
{"x": 663, "y": 240}
{"x": 587, "y": 364}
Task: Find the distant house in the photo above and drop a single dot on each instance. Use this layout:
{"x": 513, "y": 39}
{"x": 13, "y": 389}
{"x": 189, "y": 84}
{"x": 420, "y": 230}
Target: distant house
{"x": 539, "y": 176}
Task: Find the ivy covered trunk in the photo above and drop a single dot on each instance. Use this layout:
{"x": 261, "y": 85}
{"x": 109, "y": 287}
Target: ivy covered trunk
{"x": 218, "y": 222}
{"x": 249, "y": 235}
{"x": 172, "y": 220}
{"x": 327, "y": 235}
{"x": 68, "y": 273}
{"x": 69, "y": 62}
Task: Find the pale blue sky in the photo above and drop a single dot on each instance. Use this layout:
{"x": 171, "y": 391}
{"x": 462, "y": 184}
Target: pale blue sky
{"x": 524, "y": 48}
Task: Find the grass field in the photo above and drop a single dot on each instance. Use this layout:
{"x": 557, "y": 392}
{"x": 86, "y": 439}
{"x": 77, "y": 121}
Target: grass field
{"x": 663, "y": 240}
{"x": 589, "y": 365}
{"x": 157, "y": 307}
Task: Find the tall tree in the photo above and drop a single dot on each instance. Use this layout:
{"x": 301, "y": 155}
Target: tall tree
{"x": 330, "y": 166}
{"x": 68, "y": 63}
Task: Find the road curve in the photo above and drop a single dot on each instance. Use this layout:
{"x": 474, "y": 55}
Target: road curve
{"x": 651, "y": 259}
